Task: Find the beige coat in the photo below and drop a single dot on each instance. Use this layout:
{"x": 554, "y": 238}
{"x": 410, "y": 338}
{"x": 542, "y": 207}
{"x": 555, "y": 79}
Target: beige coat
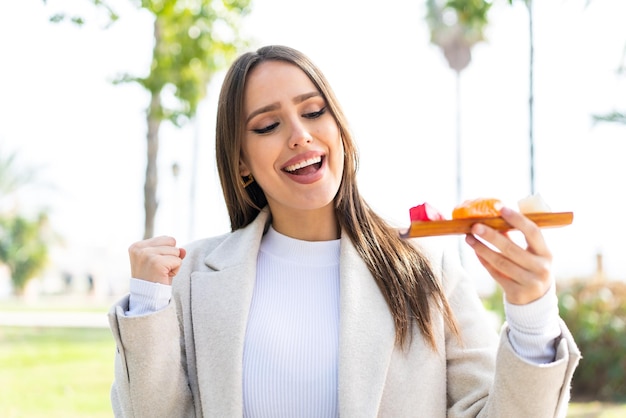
{"x": 186, "y": 360}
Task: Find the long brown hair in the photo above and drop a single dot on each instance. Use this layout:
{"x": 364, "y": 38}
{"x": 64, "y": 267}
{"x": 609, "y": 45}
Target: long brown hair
{"x": 401, "y": 271}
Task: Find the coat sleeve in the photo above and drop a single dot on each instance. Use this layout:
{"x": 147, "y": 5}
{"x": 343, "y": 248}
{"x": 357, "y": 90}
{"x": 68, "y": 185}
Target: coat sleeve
{"x": 486, "y": 378}
{"x": 150, "y": 375}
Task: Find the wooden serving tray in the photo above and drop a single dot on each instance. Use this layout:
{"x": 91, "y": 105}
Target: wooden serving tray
{"x": 463, "y": 226}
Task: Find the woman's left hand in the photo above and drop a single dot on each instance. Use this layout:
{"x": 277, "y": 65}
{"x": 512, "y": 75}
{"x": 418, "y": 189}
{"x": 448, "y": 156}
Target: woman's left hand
{"x": 524, "y": 274}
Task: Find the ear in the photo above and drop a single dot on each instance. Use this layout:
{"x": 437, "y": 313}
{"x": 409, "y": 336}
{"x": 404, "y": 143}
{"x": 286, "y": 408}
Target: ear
{"x": 244, "y": 171}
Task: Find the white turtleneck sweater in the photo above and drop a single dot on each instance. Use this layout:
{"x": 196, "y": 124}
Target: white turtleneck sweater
{"x": 292, "y": 337}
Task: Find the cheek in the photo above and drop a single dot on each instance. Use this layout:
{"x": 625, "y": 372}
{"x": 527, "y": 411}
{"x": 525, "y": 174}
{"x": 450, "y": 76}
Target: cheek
{"x": 338, "y": 143}
{"x": 333, "y": 137}
{"x": 258, "y": 156}
{"x": 339, "y": 153}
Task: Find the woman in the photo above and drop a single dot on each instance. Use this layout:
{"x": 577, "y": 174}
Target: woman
{"x": 313, "y": 306}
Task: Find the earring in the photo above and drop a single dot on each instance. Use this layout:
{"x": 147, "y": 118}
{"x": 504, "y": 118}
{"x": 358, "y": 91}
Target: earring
{"x": 247, "y": 180}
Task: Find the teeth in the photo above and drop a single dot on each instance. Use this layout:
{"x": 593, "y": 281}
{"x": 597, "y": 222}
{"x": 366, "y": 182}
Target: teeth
{"x": 305, "y": 163}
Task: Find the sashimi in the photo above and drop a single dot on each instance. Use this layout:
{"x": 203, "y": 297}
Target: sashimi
{"x": 477, "y": 208}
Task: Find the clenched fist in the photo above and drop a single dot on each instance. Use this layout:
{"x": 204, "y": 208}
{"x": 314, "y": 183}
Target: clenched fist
{"x": 155, "y": 259}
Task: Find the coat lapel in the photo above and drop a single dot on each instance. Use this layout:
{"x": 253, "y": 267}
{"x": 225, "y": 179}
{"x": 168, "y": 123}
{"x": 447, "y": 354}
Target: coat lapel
{"x": 220, "y": 302}
{"x": 366, "y": 337}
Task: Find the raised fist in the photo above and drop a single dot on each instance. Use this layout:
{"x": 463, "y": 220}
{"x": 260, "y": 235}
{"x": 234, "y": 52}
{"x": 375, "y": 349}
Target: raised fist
{"x": 155, "y": 259}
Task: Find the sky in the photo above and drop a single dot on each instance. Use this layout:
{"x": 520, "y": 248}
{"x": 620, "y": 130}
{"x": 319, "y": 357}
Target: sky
{"x": 86, "y": 137}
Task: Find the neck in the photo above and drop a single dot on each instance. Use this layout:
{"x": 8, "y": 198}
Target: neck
{"x": 307, "y": 225}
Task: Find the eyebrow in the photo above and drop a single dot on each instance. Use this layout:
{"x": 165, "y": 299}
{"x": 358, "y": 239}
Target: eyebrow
{"x": 274, "y": 106}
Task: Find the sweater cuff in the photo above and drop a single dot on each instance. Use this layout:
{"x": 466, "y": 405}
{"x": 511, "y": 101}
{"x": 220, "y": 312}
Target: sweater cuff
{"x": 147, "y": 297}
{"x": 534, "y": 327}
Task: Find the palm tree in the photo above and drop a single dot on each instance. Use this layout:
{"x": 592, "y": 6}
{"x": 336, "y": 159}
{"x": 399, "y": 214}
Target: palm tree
{"x": 455, "y": 27}
{"x": 193, "y": 40}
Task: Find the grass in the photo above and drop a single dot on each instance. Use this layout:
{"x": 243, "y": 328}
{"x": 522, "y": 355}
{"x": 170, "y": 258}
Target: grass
{"x": 596, "y": 410}
{"x": 56, "y": 304}
{"x": 55, "y": 372}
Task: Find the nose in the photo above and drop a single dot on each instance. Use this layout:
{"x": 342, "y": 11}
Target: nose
{"x": 300, "y": 135}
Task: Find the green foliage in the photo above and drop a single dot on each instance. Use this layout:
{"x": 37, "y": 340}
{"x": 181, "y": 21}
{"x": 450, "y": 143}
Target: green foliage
{"x": 23, "y": 247}
{"x": 468, "y": 15}
{"x": 80, "y": 20}
{"x": 596, "y": 315}
{"x": 456, "y": 26}
{"x": 495, "y": 303}
{"x": 613, "y": 117}
{"x": 23, "y": 242}
{"x": 194, "y": 39}
{"x": 471, "y": 13}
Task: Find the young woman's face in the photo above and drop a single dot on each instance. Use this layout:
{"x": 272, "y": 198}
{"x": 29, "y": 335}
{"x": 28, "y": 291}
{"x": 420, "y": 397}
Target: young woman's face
{"x": 292, "y": 145}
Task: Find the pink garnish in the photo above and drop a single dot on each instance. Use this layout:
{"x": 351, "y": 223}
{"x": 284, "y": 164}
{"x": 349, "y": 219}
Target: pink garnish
{"x": 425, "y": 212}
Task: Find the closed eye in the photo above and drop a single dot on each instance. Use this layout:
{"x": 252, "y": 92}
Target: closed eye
{"x": 315, "y": 115}
{"x": 266, "y": 129}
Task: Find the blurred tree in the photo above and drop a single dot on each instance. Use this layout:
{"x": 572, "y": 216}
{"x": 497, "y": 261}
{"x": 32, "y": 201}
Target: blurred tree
{"x": 455, "y": 27}
{"x": 23, "y": 247}
{"x": 23, "y": 243}
{"x": 595, "y": 312}
{"x": 193, "y": 40}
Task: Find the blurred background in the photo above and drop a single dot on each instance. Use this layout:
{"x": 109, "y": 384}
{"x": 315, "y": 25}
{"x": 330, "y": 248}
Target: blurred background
{"x": 84, "y": 138}
{"x": 448, "y": 100}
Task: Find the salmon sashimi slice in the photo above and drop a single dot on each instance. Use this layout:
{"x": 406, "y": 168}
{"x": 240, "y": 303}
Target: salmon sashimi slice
{"x": 478, "y": 208}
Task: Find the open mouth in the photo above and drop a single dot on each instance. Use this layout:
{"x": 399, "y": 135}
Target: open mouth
{"x": 305, "y": 167}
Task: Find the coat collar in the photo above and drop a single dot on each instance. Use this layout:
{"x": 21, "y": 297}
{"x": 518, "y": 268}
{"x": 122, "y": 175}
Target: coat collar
{"x": 366, "y": 337}
{"x": 220, "y": 302}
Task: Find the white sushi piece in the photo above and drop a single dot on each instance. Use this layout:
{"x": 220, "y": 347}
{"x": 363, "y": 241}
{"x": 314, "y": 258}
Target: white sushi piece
{"x": 533, "y": 204}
